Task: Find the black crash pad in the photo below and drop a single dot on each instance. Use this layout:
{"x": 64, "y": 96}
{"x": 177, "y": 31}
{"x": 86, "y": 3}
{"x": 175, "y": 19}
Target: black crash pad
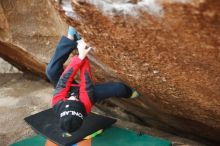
{"x": 47, "y": 124}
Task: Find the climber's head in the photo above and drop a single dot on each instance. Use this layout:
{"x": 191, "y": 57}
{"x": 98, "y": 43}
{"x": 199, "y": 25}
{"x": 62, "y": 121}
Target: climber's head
{"x": 71, "y": 114}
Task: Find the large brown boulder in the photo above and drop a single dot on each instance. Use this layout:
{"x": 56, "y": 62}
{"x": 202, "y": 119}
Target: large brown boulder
{"x": 173, "y": 59}
{"x": 171, "y": 55}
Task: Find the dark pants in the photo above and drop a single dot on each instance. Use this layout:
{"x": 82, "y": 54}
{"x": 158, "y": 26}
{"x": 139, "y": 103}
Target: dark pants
{"x": 101, "y": 91}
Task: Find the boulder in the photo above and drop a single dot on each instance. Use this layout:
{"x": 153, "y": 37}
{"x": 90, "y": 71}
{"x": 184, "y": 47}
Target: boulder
{"x": 170, "y": 54}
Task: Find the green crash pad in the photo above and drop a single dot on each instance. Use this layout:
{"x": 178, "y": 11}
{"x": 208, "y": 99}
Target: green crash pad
{"x": 113, "y": 136}
{"x": 121, "y": 137}
{"x": 32, "y": 141}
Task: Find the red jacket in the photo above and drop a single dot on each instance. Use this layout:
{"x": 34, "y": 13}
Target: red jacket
{"x": 63, "y": 88}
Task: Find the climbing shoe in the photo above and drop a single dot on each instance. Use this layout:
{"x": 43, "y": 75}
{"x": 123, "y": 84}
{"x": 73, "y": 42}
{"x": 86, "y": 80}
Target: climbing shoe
{"x": 72, "y": 31}
{"x": 135, "y": 94}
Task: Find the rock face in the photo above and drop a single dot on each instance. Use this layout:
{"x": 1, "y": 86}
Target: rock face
{"x": 169, "y": 52}
{"x": 28, "y": 33}
{"x": 173, "y": 60}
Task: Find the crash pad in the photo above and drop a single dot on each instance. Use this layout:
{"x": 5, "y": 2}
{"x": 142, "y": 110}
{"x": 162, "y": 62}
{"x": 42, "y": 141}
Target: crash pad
{"x": 37, "y": 140}
{"x": 46, "y": 123}
{"x": 115, "y": 136}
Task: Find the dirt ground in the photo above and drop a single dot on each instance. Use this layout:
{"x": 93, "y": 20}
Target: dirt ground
{"x": 20, "y": 96}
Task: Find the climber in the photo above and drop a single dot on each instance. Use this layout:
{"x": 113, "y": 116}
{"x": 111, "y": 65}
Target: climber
{"x": 72, "y": 101}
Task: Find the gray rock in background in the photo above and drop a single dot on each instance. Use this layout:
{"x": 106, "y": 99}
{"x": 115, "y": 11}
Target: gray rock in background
{"x": 6, "y": 67}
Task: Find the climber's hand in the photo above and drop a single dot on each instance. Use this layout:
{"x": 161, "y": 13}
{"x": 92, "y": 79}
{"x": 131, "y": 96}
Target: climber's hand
{"x": 83, "y": 49}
